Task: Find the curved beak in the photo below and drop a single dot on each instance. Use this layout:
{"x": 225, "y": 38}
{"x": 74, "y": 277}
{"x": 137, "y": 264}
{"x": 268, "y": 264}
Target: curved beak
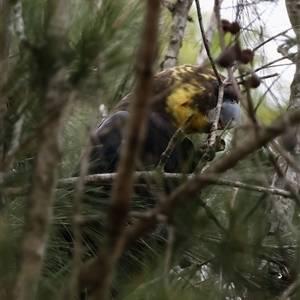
{"x": 230, "y": 115}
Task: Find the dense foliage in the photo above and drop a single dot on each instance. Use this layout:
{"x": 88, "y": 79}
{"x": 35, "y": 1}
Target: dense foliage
{"x": 222, "y": 246}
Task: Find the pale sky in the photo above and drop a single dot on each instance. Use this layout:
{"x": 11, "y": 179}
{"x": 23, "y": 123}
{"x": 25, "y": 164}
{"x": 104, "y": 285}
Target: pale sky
{"x": 274, "y": 19}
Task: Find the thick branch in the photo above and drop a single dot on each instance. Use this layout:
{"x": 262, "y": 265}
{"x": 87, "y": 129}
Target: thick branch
{"x": 180, "y": 16}
{"x": 123, "y": 187}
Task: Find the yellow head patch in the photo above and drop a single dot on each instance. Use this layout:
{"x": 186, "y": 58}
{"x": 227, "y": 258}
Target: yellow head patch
{"x": 180, "y": 105}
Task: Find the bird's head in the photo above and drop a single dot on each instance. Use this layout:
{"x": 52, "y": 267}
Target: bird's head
{"x": 195, "y": 91}
{"x": 230, "y": 114}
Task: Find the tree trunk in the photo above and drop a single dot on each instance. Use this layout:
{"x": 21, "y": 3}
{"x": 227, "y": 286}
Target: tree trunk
{"x": 283, "y": 208}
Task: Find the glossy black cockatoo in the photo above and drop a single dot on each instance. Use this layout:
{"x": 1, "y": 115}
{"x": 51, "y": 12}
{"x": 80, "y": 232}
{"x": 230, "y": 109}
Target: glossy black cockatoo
{"x": 177, "y": 93}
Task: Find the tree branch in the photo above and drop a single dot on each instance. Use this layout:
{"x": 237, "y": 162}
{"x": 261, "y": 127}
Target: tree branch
{"x": 180, "y": 16}
{"x": 110, "y": 177}
{"x": 178, "y": 135}
{"x": 205, "y": 41}
{"x": 123, "y": 187}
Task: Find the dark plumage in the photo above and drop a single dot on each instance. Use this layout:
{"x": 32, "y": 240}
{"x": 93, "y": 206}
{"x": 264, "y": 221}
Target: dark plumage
{"x": 177, "y": 93}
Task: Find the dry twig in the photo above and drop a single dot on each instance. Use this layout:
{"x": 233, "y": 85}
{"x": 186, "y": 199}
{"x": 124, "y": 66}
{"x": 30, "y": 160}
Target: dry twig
{"x": 205, "y": 41}
{"x": 178, "y": 135}
{"x": 208, "y": 34}
{"x": 169, "y": 250}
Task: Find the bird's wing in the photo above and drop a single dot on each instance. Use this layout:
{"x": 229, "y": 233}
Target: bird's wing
{"x": 106, "y": 143}
{"x": 159, "y": 134}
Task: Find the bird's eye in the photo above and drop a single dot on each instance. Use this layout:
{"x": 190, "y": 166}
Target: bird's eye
{"x": 232, "y": 101}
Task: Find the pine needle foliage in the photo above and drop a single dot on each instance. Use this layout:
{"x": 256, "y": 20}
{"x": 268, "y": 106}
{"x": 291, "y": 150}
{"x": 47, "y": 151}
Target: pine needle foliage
{"x": 221, "y": 250}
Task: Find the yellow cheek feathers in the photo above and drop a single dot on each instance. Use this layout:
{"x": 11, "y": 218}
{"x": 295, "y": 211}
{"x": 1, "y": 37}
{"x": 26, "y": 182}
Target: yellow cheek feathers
{"x": 180, "y": 106}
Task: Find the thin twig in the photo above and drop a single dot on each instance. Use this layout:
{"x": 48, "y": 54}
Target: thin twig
{"x": 251, "y": 111}
{"x": 205, "y": 42}
{"x": 238, "y": 92}
{"x": 272, "y": 38}
{"x": 270, "y": 190}
{"x": 279, "y": 213}
{"x": 287, "y": 184}
{"x": 281, "y": 218}
{"x": 26, "y": 144}
{"x": 290, "y": 290}
{"x": 217, "y": 111}
{"x": 255, "y": 207}
{"x": 284, "y": 51}
{"x": 212, "y": 139}
{"x": 233, "y": 197}
{"x": 267, "y": 65}
{"x": 15, "y": 141}
{"x": 110, "y": 177}
{"x": 169, "y": 251}
{"x": 211, "y": 215}
{"x": 209, "y": 33}
{"x": 77, "y": 215}
{"x": 197, "y": 267}
{"x": 178, "y": 135}
{"x": 287, "y": 156}
{"x": 274, "y": 61}
{"x": 262, "y": 78}
{"x": 15, "y": 144}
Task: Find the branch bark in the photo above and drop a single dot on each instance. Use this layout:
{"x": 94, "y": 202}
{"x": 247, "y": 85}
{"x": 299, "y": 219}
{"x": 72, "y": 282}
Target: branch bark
{"x": 180, "y": 17}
